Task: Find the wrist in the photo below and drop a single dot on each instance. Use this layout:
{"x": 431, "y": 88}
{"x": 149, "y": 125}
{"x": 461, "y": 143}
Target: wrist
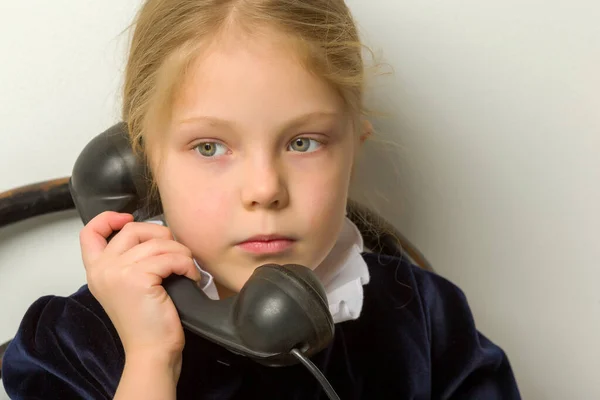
{"x": 154, "y": 361}
{"x": 150, "y": 375}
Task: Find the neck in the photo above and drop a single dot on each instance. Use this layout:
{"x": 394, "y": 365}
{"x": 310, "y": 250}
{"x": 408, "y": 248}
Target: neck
{"x": 223, "y": 291}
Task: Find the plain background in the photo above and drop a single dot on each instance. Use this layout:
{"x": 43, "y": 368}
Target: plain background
{"x": 496, "y": 175}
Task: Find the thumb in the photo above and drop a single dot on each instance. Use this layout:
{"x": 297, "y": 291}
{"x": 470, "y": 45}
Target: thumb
{"x": 93, "y": 236}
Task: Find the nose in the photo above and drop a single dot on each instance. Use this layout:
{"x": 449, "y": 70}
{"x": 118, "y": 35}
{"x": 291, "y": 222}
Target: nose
{"x": 264, "y": 185}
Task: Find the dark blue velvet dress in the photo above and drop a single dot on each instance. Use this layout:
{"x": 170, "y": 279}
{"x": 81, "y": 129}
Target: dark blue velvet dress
{"x": 415, "y": 339}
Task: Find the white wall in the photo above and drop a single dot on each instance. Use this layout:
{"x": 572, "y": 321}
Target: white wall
{"x": 497, "y": 108}
{"x": 495, "y": 104}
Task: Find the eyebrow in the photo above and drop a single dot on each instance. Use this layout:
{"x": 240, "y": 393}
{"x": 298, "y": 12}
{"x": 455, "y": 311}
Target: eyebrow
{"x": 297, "y": 121}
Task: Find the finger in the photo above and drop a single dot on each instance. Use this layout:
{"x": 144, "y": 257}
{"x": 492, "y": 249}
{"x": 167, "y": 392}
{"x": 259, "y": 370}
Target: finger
{"x": 154, "y": 247}
{"x": 165, "y": 265}
{"x": 92, "y": 238}
{"x": 135, "y": 233}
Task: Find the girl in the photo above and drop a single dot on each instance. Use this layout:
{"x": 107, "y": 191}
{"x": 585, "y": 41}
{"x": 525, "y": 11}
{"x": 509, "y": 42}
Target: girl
{"x": 249, "y": 115}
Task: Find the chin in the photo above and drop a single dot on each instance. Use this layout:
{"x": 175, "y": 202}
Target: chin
{"x": 236, "y": 281}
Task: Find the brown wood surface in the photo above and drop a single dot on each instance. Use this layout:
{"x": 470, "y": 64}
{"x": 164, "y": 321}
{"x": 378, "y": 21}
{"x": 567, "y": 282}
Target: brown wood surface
{"x": 45, "y": 187}
{"x": 2, "y": 350}
{"x": 36, "y": 199}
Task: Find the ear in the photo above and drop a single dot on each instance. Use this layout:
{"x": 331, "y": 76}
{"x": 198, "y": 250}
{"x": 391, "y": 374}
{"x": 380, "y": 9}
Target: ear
{"x": 367, "y": 130}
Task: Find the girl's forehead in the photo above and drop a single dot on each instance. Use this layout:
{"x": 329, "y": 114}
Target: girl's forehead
{"x": 246, "y": 79}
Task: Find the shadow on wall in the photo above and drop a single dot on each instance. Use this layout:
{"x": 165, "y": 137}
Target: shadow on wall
{"x": 386, "y": 168}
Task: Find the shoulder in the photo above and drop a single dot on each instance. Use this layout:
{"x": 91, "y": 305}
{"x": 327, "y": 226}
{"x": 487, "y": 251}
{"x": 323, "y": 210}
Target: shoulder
{"x": 71, "y": 320}
{"x": 401, "y": 282}
{"x": 436, "y": 302}
{"x": 63, "y": 345}
{"x": 435, "y": 313}
{"x": 401, "y": 294}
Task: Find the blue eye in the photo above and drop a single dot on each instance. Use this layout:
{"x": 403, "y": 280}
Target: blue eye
{"x": 304, "y": 145}
{"x": 211, "y": 149}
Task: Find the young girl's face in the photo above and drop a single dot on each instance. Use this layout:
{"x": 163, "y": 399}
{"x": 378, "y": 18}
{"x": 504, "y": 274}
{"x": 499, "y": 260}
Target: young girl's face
{"x": 256, "y": 165}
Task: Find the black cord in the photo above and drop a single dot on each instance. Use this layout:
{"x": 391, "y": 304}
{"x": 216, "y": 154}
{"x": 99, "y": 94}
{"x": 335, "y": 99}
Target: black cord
{"x": 318, "y": 374}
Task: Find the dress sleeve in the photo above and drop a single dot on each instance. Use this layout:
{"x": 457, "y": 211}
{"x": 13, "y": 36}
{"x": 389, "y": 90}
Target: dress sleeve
{"x": 62, "y": 350}
{"x": 464, "y": 363}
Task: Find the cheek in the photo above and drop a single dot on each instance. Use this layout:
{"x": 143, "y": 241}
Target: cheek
{"x": 321, "y": 207}
{"x": 197, "y": 207}
{"x": 323, "y": 192}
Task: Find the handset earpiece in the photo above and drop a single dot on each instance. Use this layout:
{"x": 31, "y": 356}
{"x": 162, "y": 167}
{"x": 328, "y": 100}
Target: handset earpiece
{"x": 107, "y": 176}
{"x": 281, "y": 308}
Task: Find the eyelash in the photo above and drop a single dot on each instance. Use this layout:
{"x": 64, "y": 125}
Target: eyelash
{"x": 319, "y": 144}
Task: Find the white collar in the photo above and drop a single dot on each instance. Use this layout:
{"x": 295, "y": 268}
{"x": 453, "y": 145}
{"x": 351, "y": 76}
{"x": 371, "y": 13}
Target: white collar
{"x": 343, "y": 274}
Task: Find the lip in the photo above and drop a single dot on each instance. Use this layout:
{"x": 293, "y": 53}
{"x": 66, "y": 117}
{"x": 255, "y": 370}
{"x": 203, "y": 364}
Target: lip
{"x": 267, "y": 244}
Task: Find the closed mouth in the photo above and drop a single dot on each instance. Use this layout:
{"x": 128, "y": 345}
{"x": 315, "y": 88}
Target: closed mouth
{"x": 266, "y": 238}
{"x": 267, "y": 244}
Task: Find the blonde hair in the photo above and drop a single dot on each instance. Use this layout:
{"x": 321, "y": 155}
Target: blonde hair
{"x": 169, "y": 35}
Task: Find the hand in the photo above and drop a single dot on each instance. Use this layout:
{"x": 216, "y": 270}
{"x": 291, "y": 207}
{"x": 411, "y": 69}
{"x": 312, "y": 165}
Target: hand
{"x": 125, "y": 275}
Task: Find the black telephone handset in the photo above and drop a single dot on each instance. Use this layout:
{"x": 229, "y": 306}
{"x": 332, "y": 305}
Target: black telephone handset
{"x": 281, "y": 315}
